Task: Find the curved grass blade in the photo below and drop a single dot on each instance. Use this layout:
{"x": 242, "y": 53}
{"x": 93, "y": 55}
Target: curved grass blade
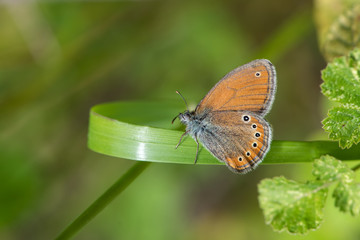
{"x": 142, "y": 130}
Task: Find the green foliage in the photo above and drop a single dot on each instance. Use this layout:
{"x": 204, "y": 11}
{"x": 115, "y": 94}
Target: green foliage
{"x": 328, "y": 169}
{"x": 347, "y": 191}
{"x": 343, "y": 123}
{"x": 290, "y": 205}
{"x": 339, "y": 28}
{"x": 347, "y": 197}
{"x": 298, "y": 207}
{"x": 342, "y": 84}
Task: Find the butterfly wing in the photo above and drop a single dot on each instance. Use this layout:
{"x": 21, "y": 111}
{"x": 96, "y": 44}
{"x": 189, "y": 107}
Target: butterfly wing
{"x": 239, "y": 138}
{"x": 249, "y": 87}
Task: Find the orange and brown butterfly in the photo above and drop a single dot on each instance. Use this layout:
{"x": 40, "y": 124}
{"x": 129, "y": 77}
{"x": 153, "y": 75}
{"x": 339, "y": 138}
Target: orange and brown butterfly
{"x": 229, "y": 121}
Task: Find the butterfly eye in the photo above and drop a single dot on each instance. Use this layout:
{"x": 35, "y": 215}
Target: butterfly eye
{"x": 254, "y": 126}
{"x": 257, "y": 74}
{"x": 257, "y": 135}
{"x": 248, "y": 154}
{"x": 240, "y": 159}
{"x": 246, "y": 118}
{"x": 254, "y": 145}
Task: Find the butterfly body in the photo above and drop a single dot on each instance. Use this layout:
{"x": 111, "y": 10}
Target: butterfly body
{"x": 229, "y": 120}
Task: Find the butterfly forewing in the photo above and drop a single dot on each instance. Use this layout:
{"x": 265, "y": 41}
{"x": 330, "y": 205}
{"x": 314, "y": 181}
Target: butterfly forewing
{"x": 250, "y": 87}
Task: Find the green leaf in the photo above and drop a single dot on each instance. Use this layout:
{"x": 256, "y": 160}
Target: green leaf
{"x": 293, "y": 206}
{"x": 334, "y": 24}
{"x": 142, "y": 130}
{"x": 347, "y": 197}
{"x": 298, "y": 207}
{"x": 342, "y": 79}
{"x": 344, "y": 33}
{"x": 329, "y": 169}
{"x": 343, "y": 123}
{"x": 347, "y": 193}
{"x": 342, "y": 84}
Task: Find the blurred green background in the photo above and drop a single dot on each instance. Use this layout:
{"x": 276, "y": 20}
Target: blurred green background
{"x": 59, "y": 58}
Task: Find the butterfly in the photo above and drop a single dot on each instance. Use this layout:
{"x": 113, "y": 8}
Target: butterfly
{"x": 229, "y": 120}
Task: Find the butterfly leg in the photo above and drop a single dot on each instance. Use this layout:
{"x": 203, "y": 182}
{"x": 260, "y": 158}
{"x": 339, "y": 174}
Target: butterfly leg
{"x": 197, "y": 149}
{"x": 181, "y": 139}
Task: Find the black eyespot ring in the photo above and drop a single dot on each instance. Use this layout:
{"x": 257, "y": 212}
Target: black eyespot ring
{"x": 254, "y": 145}
{"x": 254, "y": 125}
{"x": 257, "y": 134}
{"x": 257, "y": 74}
{"x": 240, "y": 159}
{"x": 248, "y": 154}
{"x": 246, "y": 118}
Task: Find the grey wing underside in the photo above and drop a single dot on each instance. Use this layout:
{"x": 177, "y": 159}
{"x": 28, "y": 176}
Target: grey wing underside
{"x": 234, "y": 140}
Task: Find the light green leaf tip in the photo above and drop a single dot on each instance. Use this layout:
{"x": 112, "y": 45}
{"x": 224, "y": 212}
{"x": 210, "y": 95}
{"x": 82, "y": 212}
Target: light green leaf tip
{"x": 292, "y": 206}
{"x": 342, "y": 84}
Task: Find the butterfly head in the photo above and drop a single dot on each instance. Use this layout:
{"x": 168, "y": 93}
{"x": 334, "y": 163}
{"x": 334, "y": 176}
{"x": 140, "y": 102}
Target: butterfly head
{"x": 184, "y": 117}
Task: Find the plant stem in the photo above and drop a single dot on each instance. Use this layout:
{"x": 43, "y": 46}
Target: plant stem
{"x": 120, "y": 185}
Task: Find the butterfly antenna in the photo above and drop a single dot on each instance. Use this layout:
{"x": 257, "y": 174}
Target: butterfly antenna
{"x": 187, "y": 107}
{"x": 172, "y": 122}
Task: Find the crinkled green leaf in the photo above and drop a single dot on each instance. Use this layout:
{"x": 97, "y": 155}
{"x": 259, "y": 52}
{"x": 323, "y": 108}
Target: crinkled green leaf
{"x": 347, "y": 197}
{"x": 347, "y": 193}
{"x": 342, "y": 79}
{"x": 329, "y": 169}
{"x": 329, "y": 24}
{"x": 344, "y": 34}
{"x": 293, "y": 206}
{"x": 298, "y": 207}
{"x": 343, "y": 124}
{"x": 342, "y": 84}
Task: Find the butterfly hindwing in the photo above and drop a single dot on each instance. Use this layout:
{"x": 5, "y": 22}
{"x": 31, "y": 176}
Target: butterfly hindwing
{"x": 239, "y": 138}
